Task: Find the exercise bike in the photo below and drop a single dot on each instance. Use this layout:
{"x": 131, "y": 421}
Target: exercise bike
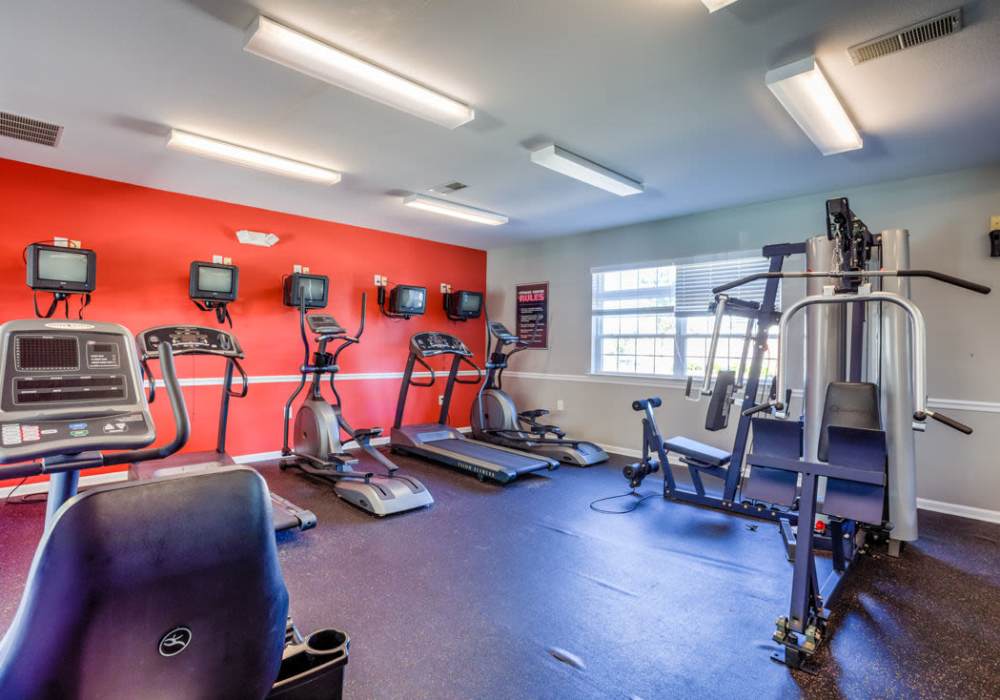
{"x": 316, "y": 448}
{"x": 495, "y": 417}
{"x": 179, "y": 576}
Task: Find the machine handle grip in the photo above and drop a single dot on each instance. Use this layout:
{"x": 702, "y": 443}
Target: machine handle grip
{"x": 950, "y": 422}
{"x": 244, "y": 381}
{"x": 688, "y": 394}
{"x": 364, "y": 306}
{"x": 430, "y": 369}
{"x": 744, "y": 280}
{"x": 767, "y": 405}
{"x": 147, "y": 374}
{"x": 640, "y": 404}
{"x": 177, "y": 406}
{"x": 948, "y": 279}
{"x": 473, "y": 365}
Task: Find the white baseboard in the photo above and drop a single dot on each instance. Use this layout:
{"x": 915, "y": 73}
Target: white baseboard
{"x": 984, "y": 514}
{"x": 623, "y": 451}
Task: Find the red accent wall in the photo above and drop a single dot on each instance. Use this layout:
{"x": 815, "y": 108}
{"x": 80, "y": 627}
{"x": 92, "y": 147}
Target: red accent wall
{"x": 145, "y": 240}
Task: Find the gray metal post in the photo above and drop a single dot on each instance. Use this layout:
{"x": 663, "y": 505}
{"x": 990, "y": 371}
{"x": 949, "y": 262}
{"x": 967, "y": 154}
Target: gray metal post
{"x": 897, "y": 391}
{"x": 825, "y": 347}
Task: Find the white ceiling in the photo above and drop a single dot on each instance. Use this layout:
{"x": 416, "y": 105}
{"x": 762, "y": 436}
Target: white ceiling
{"x": 657, "y": 89}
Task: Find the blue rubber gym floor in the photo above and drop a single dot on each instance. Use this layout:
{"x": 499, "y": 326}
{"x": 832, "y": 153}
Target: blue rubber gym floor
{"x": 524, "y": 592}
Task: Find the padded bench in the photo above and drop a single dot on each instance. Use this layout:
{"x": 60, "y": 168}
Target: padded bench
{"x": 698, "y": 451}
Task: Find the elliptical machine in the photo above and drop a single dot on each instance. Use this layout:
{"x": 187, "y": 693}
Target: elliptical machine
{"x": 495, "y": 417}
{"x": 317, "y": 449}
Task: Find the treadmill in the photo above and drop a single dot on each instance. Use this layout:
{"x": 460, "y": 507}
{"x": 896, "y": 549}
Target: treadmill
{"x": 203, "y": 341}
{"x": 439, "y": 442}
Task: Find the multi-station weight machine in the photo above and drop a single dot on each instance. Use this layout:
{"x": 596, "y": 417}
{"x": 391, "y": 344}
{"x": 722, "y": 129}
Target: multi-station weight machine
{"x": 845, "y": 472}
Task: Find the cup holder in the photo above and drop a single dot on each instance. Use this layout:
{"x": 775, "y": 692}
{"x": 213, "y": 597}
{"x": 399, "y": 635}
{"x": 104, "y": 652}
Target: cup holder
{"x": 314, "y": 668}
{"x": 325, "y": 641}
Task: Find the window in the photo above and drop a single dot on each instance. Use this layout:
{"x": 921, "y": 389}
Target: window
{"x": 654, "y": 320}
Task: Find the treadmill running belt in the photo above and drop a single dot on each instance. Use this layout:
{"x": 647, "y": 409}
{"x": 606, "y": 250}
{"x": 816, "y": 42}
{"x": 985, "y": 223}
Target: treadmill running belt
{"x": 486, "y": 453}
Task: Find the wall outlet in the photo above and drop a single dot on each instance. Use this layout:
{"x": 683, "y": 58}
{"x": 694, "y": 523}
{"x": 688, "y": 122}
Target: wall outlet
{"x": 217, "y": 259}
{"x": 296, "y": 268}
{"x": 440, "y": 399}
{"x": 381, "y": 280}
{"x": 560, "y": 405}
{"x": 445, "y": 288}
{"x": 995, "y": 223}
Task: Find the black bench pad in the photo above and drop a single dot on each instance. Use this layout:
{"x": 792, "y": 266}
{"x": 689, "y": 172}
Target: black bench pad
{"x": 698, "y": 451}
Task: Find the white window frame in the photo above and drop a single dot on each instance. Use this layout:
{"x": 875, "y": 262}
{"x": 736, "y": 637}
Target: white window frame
{"x": 680, "y": 335}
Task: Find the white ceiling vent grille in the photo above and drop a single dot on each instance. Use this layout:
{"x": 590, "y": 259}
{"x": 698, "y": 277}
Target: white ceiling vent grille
{"x": 23, "y": 128}
{"x": 907, "y": 37}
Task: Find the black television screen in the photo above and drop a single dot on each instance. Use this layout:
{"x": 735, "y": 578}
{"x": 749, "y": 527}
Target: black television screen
{"x": 409, "y": 300}
{"x": 304, "y": 290}
{"x": 58, "y": 269}
{"x": 213, "y": 281}
{"x": 464, "y": 304}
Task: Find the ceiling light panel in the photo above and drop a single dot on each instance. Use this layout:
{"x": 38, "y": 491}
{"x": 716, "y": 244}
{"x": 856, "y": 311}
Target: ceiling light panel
{"x": 803, "y": 90}
{"x": 295, "y": 50}
{"x": 250, "y": 157}
{"x": 714, "y": 5}
{"x": 458, "y": 211}
{"x": 579, "y": 168}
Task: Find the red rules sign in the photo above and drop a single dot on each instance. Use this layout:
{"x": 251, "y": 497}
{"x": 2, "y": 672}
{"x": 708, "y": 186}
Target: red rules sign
{"x": 533, "y": 314}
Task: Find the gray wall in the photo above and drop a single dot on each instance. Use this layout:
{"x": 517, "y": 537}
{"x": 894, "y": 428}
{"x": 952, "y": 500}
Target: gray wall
{"x": 947, "y": 215}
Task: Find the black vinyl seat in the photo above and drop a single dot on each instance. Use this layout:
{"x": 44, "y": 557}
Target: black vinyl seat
{"x": 698, "y": 451}
{"x": 130, "y": 572}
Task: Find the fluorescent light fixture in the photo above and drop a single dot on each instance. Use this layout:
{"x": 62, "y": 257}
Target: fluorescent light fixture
{"x": 292, "y": 49}
{"x": 251, "y": 158}
{"x": 459, "y": 211}
{"x": 562, "y": 161}
{"x": 803, "y": 90}
{"x": 714, "y": 5}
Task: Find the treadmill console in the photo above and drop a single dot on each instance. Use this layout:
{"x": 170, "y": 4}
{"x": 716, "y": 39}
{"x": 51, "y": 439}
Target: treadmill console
{"x": 502, "y": 334}
{"x": 433, "y": 343}
{"x": 69, "y": 386}
{"x": 188, "y": 340}
{"x": 324, "y": 324}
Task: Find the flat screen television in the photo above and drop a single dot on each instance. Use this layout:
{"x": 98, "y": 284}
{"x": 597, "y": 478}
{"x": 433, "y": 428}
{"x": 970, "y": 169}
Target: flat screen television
{"x": 58, "y": 269}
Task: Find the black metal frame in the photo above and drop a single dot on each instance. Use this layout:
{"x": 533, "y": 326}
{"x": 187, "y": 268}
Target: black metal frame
{"x": 764, "y": 316}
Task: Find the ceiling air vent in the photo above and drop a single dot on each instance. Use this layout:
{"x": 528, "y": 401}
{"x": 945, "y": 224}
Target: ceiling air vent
{"x": 449, "y": 187}
{"x": 22, "y": 128}
{"x": 907, "y": 37}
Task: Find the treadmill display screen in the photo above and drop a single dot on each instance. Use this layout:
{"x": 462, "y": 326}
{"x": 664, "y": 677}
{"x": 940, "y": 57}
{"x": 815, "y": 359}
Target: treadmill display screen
{"x": 33, "y": 353}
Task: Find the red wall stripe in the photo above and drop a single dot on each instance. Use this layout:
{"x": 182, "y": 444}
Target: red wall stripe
{"x": 146, "y": 238}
